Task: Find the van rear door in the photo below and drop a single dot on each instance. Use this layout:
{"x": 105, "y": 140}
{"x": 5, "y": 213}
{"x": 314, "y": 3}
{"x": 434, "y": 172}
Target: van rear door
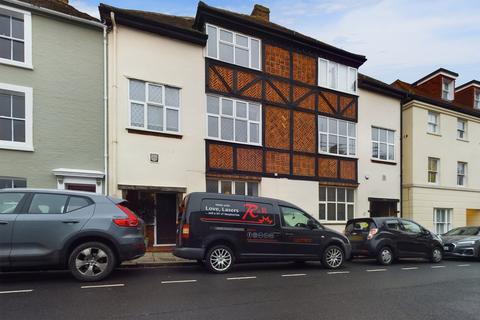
{"x": 357, "y": 231}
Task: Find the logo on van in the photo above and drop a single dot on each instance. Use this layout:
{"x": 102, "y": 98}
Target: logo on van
{"x": 253, "y": 213}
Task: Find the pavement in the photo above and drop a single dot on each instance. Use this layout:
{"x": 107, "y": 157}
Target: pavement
{"x": 157, "y": 259}
{"x": 412, "y": 289}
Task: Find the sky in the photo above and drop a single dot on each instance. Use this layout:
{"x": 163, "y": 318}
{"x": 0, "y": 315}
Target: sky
{"x": 402, "y": 39}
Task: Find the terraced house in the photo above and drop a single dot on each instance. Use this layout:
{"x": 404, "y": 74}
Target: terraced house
{"x": 51, "y": 97}
{"x": 233, "y": 103}
{"x": 441, "y": 189}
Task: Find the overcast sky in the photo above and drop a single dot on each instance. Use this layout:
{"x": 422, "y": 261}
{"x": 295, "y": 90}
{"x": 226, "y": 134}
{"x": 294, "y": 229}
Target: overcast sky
{"x": 402, "y": 39}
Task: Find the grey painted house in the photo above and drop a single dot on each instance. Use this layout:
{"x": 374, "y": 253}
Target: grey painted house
{"x": 51, "y": 96}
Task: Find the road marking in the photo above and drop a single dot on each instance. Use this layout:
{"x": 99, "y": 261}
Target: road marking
{"x": 241, "y": 278}
{"x": 376, "y": 270}
{"x": 178, "y": 281}
{"x": 463, "y": 265}
{"x": 410, "y": 268}
{"x": 338, "y": 272}
{"x": 438, "y": 267}
{"x": 16, "y": 291}
{"x": 103, "y": 286}
{"x": 294, "y": 275}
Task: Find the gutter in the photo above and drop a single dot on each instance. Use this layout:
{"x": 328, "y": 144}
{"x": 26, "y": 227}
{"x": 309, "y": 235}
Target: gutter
{"x": 114, "y": 110}
{"x": 105, "y": 108}
{"x": 55, "y": 13}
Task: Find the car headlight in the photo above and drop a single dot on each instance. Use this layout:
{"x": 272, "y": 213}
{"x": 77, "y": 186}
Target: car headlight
{"x": 465, "y": 243}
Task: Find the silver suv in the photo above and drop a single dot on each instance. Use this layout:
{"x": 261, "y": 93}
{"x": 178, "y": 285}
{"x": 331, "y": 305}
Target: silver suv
{"x": 87, "y": 233}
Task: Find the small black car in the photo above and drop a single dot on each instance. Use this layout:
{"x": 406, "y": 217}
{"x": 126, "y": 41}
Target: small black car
{"x": 218, "y": 230}
{"x": 390, "y": 238}
{"x": 462, "y": 242}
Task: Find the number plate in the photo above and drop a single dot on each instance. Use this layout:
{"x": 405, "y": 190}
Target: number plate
{"x": 446, "y": 248}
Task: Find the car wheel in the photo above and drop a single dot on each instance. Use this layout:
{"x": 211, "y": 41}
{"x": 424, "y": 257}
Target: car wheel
{"x": 437, "y": 255}
{"x": 91, "y": 261}
{"x": 219, "y": 259}
{"x": 333, "y": 257}
{"x": 385, "y": 256}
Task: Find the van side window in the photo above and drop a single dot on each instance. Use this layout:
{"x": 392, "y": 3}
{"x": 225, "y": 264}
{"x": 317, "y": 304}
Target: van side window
{"x": 294, "y": 218}
{"x": 9, "y": 202}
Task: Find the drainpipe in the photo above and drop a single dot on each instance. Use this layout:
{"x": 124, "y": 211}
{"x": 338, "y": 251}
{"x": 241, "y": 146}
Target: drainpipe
{"x": 105, "y": 107}
{"x": 114, "y": 111}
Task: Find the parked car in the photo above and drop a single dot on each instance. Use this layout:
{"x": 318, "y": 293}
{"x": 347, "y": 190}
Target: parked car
{"x": 390, "y": 238}
{"x": 89, "y": 234}
{"x": 462, "y": 242}
{"x": 219, "y": 230}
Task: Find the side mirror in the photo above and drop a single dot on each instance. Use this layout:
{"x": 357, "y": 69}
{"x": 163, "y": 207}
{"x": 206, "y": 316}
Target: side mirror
{"x": 312, "y": 224}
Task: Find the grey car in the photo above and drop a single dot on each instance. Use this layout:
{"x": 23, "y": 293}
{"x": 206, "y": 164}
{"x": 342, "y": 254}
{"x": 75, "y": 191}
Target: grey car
{"x": 87, "y": 233}
{"x": 462, "y": 242}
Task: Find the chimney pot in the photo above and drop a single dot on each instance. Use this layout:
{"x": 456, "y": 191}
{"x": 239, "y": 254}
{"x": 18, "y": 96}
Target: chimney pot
{"x": 261, "y": 12}
{"x": 63, "y": 1}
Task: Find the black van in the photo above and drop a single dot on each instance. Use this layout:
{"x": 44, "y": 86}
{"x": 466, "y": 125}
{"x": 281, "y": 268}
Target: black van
{"x": 219, "y": 230}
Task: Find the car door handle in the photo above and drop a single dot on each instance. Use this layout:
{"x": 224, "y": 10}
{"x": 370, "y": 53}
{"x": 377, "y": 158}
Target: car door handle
{"x": 3, "y": 222}
{"x": 70, "y": 221}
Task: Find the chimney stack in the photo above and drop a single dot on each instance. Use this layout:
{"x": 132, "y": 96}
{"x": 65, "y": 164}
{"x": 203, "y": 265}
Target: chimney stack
{"x": 63, "y": 1}
{"x": 261, "y": 12}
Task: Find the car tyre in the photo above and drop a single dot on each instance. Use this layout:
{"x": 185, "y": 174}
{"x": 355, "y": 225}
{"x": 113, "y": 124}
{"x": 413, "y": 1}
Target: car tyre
{"x": 333, "y": 257}
{"x": 220, "y": 259}
{"x": 437, "y": 255}
{"x": 385, "y": 256}
{"x": 92, "y": 261}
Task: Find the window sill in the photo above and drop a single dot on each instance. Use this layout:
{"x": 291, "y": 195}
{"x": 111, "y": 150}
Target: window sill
{"x": 392, "y": 163}
{"x": 26, "y": 148}
{"x": 154, "y": 133}
{"x": 12, "y": 63}
{"x": 235, "y": 142}
{"x": 338, "y": 155}
{"x": 338, "y": 90}
{"x": 434, "y": 134}
{"x": 463, "y": 140}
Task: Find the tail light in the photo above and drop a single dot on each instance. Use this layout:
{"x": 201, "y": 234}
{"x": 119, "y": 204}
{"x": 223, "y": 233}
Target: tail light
{"x": 130, "y": 221}
{"x": 372, "y": 232}
{"x": 185, "y": 231}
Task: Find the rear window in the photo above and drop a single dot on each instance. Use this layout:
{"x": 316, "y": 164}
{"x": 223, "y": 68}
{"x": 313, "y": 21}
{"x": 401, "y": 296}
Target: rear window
{"x": 359, "y": 226}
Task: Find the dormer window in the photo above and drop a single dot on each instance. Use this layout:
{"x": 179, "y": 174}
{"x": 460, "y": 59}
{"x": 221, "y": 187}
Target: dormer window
{"x": 447, "y": 89}
{"x": 337, "y": 76}
{"x": 476, "y": 103}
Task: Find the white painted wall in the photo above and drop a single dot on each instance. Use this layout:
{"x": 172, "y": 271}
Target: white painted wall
{"x": 146, "y": 56}
{"x": 376, "y": 110}
{"x": 420, "y": 197}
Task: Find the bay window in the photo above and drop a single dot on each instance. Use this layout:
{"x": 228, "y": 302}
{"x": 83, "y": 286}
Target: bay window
{"x": 337, "y": 136}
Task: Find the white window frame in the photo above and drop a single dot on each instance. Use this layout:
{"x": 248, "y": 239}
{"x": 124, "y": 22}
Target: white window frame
{"x": 328, "y": 134}
{"x": 476, "y": 99}
{"x": 163, "y": 105}
{"x": 435, "y": 124}
{"x": 388, "y": 144}
{"x": 234, "y": 117}
{"x": 462, "y": 175}
{"x": 233, "y": 185}
{"x": 336, "y": 202}
{"x": 350, "y": 70}
{"x": 437, "y": 172}
{"x": 447, "y": 93}
{"x": 27, "y": 36}
{"x": 464, "y": 130}
{"x": 447, "y": 224}
{"x": 28, "y": 93}
{"x": 12, "y": 181}
{"x": 234, "y": 45}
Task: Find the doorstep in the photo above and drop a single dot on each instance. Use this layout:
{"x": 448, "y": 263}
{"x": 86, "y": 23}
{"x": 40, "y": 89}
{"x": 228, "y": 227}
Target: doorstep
{"x": 157, "y": 259}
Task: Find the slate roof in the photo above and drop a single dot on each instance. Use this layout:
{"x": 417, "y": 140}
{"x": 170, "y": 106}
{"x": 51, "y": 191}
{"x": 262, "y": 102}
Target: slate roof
{"x": 61, "y": 7}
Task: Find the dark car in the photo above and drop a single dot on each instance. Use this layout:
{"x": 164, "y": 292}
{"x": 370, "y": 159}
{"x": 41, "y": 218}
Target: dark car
{"x": 390, "y": 238}
{"x": 219, "y": 230}
{"x": 462, "y": 242}
{"x": 89, "y": 234}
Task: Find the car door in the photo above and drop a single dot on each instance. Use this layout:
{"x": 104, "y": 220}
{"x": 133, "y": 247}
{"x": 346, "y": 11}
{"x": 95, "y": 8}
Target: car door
{"x": 298, "y": 238}
{"x": 9, "y": 203}
{"x": 412, "y": 241}
{"x": 47, "y": 222}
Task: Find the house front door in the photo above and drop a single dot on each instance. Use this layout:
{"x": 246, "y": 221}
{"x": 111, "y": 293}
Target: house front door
{"x": 166, "y": 218}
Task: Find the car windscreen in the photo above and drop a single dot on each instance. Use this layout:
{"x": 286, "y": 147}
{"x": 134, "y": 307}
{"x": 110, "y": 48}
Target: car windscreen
{"x": 359, "y": 226}
{"x": 468, "y": 231}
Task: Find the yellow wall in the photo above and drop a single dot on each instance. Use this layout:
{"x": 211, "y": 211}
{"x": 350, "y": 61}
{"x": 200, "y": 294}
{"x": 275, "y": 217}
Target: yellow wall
{"x": 473, "y": 217}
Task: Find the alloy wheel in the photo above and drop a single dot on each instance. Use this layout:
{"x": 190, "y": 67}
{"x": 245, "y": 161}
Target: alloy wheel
{"x": 436, "y": 255}
{"x": 91, "y": 262}
{"x": 386, "y": 256}
{"x": 334, "y": 257}
{"x": 220, "y": 259}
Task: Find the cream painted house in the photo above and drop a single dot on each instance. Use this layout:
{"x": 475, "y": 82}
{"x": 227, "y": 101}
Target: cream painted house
{"x": 156, "y": 115}
{"x": 441, "y": 148}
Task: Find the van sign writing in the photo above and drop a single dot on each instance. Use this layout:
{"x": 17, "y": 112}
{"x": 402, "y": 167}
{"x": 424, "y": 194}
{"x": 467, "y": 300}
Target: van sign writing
{"x": 237, "y": 212}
